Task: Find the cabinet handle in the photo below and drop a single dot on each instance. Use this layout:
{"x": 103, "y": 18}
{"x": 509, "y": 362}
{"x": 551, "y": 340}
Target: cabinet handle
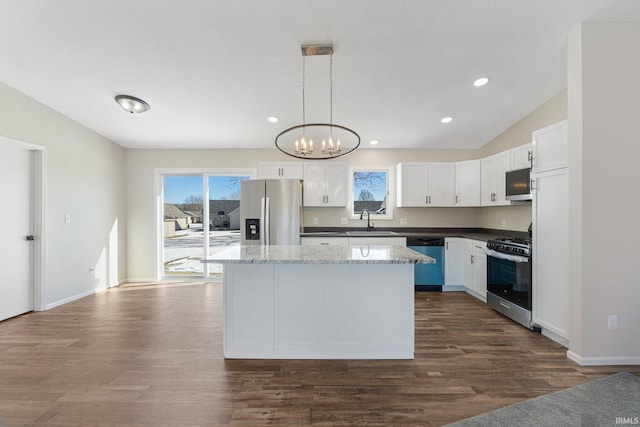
{"x": 471, "y": 259}
{"x": 529, "y": 156}
{"x": 429, "y": 199}
{"x": 456, "y": 199}
{"x": 446, "y": 245}
{"x": 426, "y": 200}
{"x": 533, "y": 184}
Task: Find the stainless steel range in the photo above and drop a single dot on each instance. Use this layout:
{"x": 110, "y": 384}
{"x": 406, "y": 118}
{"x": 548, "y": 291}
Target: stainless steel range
{"x": 509, "y": 278}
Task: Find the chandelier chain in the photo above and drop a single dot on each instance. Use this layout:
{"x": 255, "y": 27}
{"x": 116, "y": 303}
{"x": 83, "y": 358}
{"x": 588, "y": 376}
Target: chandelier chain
{"x": 331, "y": 89}
{"x": 304, "y": 121}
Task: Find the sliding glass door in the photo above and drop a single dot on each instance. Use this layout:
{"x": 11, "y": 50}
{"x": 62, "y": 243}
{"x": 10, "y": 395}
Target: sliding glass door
{"x": 191, "y": 229}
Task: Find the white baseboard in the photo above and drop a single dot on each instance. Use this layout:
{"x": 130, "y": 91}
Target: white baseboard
{"x": 67, "y": 300}
{"x": 138, "y": 280}
{"x": 453, "y": 288}
{"x": 554, "y": 337}
{"x": 599, "y": 361}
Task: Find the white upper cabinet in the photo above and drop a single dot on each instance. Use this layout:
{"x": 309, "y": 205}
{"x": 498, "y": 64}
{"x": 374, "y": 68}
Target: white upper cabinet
{"x": 325, "y": 184}
{"x": 550, "y": 148}
{"x": 521, "y": 156}
{"x": 493, "y": 184}
{"x": 425, "y": 184}
{"x": 280, "y": 170}
{"x": 467, "y": 183}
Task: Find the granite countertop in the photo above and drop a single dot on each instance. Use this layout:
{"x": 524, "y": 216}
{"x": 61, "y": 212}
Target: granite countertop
{"x": 319, "y": 254}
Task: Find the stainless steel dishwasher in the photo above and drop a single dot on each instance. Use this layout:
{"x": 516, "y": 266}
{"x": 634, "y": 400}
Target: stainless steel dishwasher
{"x": 428, "y": 277}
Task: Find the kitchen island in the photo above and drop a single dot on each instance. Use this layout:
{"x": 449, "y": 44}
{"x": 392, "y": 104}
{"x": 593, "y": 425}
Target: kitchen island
{"x": 318, "y": 302}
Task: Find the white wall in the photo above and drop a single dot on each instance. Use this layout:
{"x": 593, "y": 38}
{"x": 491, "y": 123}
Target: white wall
{"x": 84, "y": 178}
{"x": 604, "y": 125}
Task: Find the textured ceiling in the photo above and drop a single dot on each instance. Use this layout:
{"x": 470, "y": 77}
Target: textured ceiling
{"x": 213, "y": 71}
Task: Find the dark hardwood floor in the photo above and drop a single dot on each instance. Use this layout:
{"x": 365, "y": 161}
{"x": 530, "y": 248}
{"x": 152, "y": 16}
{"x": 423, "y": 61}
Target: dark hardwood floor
{"x": 151, "y": 355}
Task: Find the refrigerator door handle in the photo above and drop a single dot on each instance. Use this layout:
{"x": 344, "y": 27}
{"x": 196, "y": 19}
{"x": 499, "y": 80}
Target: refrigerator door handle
{"x": 262, "y": 223}
{"x": 267, "y": 221}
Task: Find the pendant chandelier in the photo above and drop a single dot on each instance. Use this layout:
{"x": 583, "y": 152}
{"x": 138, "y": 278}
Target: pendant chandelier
{"x": 317, "y": 141}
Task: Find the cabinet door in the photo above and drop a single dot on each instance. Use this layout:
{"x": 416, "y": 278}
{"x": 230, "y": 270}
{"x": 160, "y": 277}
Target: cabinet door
{"x": 487, "y": 180}
{"x": 521, "y": 156}
{"x": 269, "y": 170}
{"x": 336, "y": 241}
{"x": 467, "y": 264}
{"x": 314, "y": 184}
{"x": 293, "y": 170}
{"x": 441, "y": 184}
{"x": 550, "y": 147}
{"x": 337, "y": 177}
{"x": 479, "y": 269}
{"x": 453, "y": 261}
{"x": 502, "y": 165}
{"x": 550, "y": 217}
{"x": 373, "y": 241}
{"x": 412, "y": 185}
{"x": 468, "y": 183}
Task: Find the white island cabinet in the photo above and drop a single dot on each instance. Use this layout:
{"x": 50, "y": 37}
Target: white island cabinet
{"x": 318, "y": 302}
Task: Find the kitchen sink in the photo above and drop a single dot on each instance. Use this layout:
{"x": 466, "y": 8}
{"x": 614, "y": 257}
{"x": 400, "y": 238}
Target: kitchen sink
{"x": 373, "y": 233}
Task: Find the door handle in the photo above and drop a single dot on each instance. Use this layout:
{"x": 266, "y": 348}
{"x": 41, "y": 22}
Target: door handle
{"x": 30, "y": 238}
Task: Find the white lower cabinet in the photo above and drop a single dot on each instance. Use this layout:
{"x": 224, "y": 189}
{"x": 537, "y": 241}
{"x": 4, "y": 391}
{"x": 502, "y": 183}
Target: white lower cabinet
{"x": 453, "y": 256}
{"x": 349, "y": 241}
{"x": 339, "y": 241}
{"x": 479, "y": 269}
{"x": 474, "y": 267}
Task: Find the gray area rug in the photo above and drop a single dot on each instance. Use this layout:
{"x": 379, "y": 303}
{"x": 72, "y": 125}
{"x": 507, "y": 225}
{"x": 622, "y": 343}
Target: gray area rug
{"x": 608, "y": 401}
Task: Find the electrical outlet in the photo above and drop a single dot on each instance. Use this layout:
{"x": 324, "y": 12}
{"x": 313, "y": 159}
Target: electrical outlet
{"x": 612, "y": 322}
{"x": 343, "y": 221}
{"x": 67, "y": 218}
{"x": 403, "y": 221}
{"x": 315, "y": 221}
{"x": 504, "y": 222}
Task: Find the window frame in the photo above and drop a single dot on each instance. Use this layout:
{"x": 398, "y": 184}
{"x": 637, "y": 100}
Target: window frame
{"x": 390, "y": 196}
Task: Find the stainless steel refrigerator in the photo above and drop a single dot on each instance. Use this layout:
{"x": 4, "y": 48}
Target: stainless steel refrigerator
{"x": 270, "y": 211}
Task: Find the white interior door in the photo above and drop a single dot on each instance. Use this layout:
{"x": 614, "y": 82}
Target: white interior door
{"x": 17, "y": 221}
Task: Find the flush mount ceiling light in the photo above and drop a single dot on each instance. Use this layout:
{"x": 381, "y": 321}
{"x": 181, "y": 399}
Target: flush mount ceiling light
{"x": 273, "y": 119}
{"x": 374, "y": 142}
{"x": 132, "y": 104}
{"x": 446, "y": 119}
{"x": 481, "y": 81}
{"x": 331, "y": 140}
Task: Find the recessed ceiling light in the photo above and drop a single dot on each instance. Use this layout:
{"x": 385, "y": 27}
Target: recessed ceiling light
{"x": 481, "y": 81}
{"x": 273, "y": 119}
{"x": 446, "y": 119}
{"x": 374, "y": 142}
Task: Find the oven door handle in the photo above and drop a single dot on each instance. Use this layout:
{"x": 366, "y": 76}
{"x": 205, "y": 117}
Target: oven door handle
{"x": 508, "y": 257}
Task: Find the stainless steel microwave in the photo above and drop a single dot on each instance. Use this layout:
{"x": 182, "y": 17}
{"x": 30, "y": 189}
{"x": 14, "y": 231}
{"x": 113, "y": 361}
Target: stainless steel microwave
{"x": 518, "y": 184}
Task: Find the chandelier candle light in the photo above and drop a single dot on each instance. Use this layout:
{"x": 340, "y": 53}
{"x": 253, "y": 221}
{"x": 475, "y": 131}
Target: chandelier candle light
{"x": 297, "y": 141}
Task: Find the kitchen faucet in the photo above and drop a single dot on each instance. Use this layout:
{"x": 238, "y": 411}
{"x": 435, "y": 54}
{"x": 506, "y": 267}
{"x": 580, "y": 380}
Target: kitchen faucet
{"x": 369, "y": 226}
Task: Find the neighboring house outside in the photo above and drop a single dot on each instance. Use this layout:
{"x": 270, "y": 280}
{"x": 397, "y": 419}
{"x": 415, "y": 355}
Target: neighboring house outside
{"x": 371, "y": 205}
{"x": 196, "y": 218}
{"x": 219, "y": 211}
{"x": 234, "y": 219}
{"x": 175, "y": 220}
